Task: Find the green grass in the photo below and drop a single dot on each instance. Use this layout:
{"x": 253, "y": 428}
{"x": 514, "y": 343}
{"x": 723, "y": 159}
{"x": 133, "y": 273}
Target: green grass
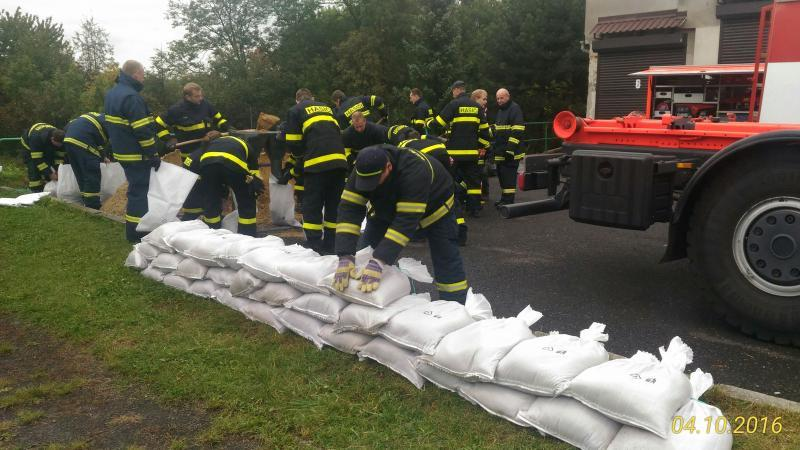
{"x": 62, "y": 271}
{"x": 27, "y": 416}
{"x": 35, "y": 394}
{"x": 14, "y": 173}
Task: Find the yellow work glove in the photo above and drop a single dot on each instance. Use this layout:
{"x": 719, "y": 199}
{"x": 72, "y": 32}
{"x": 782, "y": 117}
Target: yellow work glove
{"x": 345, "y": 270}
{"x": 371, "y": 276}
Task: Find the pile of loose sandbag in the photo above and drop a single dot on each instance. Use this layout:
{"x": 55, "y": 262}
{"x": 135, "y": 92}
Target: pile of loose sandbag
{"x": 561, "y": 385}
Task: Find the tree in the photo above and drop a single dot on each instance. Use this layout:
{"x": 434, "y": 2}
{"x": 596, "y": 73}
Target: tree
{"x": 95, "y": 52}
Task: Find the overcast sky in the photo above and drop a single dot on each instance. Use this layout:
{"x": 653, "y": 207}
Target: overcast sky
{"x": 135, "y": 27}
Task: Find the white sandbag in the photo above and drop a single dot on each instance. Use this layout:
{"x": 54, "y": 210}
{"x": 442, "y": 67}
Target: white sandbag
{"x": 191, "y": 269}
{"x": 399, "y": 360}
{"x": 51, "y": 187}
{"x": 153, "y": 273}
{"x": 346, "y": 342}
{"x": 225, "y": 297}
{"x": 167, "y": 261}
{"x": 320, "y": 306}
{"x": 177, "y": 282}
{"x": 498, "y": 400}
{"x": 708, "y": 422}
{"x": 303, "y": 325}
{"x": 394, "y": 285}
{"x": 545, "y": 365}
{"x": 307, "y": 273}
{"x": 230, "y": 252}
{"x": 136, "y": 260}
{"x": 441, "y": 379}
{"x": 157, "y": 237}
{"x": 275, "y": 294}
{"x": 24, "y": 199}
{"x": 112, "y": 176}
{"x": 263, "y": 262}
{"x": 415, "y": 270}
{"x": 368, "y": 319}
{"x": 281, "y": 203}
{"x": 205, "y": 249}
{"x": 169, "y": 187}
{"x": 204, "y": 288}
{"x": 220, "y": 275}
{"x": 641, "y": 391}
{"x": 570, "y": 421}
{"x": 67, "y": 188}
{"x": 422, "y": 327}
{"x": 244, "y": 283}
{"x": 261, "y": 312}
{"x": 182, "y": 241}
{"x": 231, "y": 222}
{"x": 147, "y": 250}
{"x": 473, "y": 352}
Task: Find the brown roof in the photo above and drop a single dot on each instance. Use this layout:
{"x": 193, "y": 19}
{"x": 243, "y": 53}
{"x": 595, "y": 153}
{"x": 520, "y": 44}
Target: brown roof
{"x": 661, "y": 20}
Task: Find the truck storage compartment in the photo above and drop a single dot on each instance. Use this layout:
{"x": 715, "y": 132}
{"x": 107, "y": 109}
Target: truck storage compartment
{"x": 621, "y": 189}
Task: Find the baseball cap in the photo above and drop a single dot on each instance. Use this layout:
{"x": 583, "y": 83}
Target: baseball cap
{"x": 369, "y": 166}
{"x": 457, "y": 84}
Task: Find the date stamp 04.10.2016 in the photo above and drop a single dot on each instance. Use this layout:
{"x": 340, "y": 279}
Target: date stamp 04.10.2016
{"x": 720, "y": 425}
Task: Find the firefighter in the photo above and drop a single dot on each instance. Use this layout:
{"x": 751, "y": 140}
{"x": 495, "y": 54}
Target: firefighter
{"x": 132, "y": 133}
{"x": 228, "y": 162}
{"x": 190, "y": 119}
{"x": 406, "y": 191}
{"x": 481, "y": 97}
{"x": 469, "y": 134}
{"x": 432, "y": 147}
{"x": 85, "y": 143}
{"x": 423, "y": 113}
{"x": 369, "y": 105}
{"x": 507, "y": 149}
{"x": 43, "y": 154}
{"x": 315, "y": 141}
{"x": 362, "y": 134}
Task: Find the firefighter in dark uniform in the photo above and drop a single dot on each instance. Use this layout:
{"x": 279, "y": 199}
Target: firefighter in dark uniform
{"x": 469, "y": 136}
{"x": 507, "y": 150}
{"x": 228, "y": 162}
{"x": 371, "y": 106}
{"x": 315, "y": 141}
{"x": 406, "y": 191}
{"x": 423, "y": 113}
{"x": 43, "y": 154}
{"x": 85, "y": 142}
{"x": 190, "y": 119}
{"x": 361, "y": 134}
{"x": 481, "y": 97}
{"x": 132, "y": 132}
{"x": 432, "y": 147}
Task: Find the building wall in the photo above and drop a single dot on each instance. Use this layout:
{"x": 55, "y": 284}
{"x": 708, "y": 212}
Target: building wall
{"x": 701, "y": 21}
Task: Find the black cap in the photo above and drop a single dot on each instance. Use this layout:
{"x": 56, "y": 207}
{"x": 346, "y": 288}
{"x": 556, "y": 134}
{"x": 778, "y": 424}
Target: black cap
{"x": 457, "y": 84}
{"x": 369, "y": 166}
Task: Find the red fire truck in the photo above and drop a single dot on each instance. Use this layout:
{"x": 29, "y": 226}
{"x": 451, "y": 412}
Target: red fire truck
{"x": 728, "y": 183}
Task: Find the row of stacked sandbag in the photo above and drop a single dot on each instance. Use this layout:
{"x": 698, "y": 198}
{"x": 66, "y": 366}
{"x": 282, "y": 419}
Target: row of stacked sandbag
{"x": 562, "y": 385}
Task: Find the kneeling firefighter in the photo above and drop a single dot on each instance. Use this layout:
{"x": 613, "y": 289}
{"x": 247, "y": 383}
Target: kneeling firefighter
{"x": 228, "y": 162}
{"x": 407, "y": 190}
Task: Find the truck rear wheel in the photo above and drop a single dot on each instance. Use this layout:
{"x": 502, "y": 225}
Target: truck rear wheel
{"x": 744, "y": 238}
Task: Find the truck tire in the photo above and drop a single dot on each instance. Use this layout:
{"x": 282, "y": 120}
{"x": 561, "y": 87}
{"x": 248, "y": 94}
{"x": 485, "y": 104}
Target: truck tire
{"x": 744, "y": 238}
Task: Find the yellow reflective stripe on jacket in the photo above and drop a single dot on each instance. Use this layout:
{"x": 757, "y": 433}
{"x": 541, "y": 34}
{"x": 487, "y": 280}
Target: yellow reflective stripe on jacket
{"x": 482, "y": 126}
{"x": 219, "y": 124}
{"x": 519, "y": 156}
{"x": 473, "y": 192}
{"x": 441, "y": 121}
{"x": 327, "y": 224}
{"x": 313, "y": 120}
{"x": 502, "y": 127}
{"x": 438, "y": 214}
{"x": 142, "y": 122}
{"x": 96, "y": 124}
{"x": 161, "y": 122}
{"x": 462, "y": 152}
{"x": 431, "y": 148}
{"x": 42, "y": 166}
{"x": 117, "y": 120}
{"x": 411, "y": 207}
{"x": 484, "y": 142}
{"x": 518, "y": 127}
{"x": 513, "y": 140}
{"x": 212, "y": 219}
{"x": 452, "y": 287}
{"x": 353, "y": 197}
{"x": 371, "y": 100}
{"x": 397, "y": 237}
{"x": 312, "y": 226}
{"x": 227, "y": 156}
{"x": 37, "y": 155}
{"x": 247, "y": 221}
{"x": 197, "y": 126}
{"x": 218, "y": 115}
{"x": 162, "y": 133}
{"x": 126, "y": 157}
{"x": 466, "y": 119}
{"x": 324, "y": 159}
{"x": 147, "y": 142}
{"x": 293, "y": 137}
{"x": 133, "y": 219}
{"x": 350, "y": 228}
{"x": 82, "y": 145}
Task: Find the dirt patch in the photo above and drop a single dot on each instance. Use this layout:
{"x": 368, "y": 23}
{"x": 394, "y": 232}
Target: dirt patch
{"x": 54, "y": 393}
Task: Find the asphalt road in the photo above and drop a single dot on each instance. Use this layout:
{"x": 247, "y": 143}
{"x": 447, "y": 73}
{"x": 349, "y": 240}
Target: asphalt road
{"x": 576, "y": 274}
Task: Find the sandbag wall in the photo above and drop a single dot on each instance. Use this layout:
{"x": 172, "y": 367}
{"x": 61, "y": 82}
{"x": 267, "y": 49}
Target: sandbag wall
{"x": 562, "y": 385}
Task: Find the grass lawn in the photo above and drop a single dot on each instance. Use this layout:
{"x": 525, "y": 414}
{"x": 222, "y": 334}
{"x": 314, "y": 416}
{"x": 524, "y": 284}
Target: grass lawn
{"x": 14, "y": 174}
{"x": 61, "y": 271}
